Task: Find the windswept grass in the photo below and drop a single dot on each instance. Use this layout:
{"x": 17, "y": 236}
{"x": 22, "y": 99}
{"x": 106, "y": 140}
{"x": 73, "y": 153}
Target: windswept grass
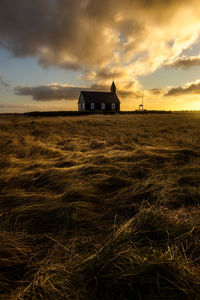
{"x": 100, "y": 207}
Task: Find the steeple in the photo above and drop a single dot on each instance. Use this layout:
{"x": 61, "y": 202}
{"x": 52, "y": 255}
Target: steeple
{"x": 113, "y": 88}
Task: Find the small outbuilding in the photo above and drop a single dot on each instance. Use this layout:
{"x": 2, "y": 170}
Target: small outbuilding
{"x": 99, "y": 101}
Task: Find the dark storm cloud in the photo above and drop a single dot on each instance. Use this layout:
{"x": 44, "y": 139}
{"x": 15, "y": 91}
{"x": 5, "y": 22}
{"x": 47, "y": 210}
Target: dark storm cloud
{"x": 54, "y": 91}
{"x": 76, "y": 34}
{"x": 58, "y": 34}
{"x": 49, "y": 92}
{"x": 186, "y": 62}
{"x": 24, "y": 25}
{"x": 192, "y": 88}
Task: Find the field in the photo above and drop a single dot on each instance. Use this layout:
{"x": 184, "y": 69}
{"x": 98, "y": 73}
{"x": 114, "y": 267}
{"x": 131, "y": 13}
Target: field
{"x": 100, "y": 207}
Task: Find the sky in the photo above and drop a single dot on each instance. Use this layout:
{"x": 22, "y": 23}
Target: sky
{"x": 50, "y": 50}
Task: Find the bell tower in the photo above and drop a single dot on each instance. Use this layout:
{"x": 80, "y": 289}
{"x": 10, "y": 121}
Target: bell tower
{"x": 113, "y": 88}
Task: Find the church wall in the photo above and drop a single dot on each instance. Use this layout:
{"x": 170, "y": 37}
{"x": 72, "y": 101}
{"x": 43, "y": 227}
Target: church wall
{"x": 108, "y": 107}
{"x": 81, "y": 103}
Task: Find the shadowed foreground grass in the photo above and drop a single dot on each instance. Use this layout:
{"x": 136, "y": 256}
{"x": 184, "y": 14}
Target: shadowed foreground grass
{"x": 100, "y": 207}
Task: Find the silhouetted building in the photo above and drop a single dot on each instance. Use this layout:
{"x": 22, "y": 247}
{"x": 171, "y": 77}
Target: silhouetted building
{"x": 99, "y": 101}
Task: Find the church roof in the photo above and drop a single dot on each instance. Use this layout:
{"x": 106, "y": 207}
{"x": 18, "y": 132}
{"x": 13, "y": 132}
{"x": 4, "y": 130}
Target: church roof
{"x": 99, "y": 97}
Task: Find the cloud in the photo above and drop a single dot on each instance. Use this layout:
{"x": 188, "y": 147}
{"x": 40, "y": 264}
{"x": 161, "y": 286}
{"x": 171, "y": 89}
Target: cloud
{"x": 110, "y": 73}
{"x": 189, "y": 89}
{"x": 8, "y": 106}
{"x": 4, "y": 83}
{"x": 185, "y": 62}
{"x": 49, "y": 92}
{"x": 156, "y": 91}
{"x": 134, "y": 37}
{"x": 55, "y": 91}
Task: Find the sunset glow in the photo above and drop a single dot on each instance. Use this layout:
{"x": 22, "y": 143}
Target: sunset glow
{"x": 51, "y": 50}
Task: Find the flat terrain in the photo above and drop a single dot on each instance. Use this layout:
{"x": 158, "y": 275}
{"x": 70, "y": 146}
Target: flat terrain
{"x": 100, "y": 207}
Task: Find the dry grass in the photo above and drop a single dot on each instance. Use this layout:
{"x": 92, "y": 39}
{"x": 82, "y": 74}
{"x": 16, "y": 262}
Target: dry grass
{"x": 100, "y": 207}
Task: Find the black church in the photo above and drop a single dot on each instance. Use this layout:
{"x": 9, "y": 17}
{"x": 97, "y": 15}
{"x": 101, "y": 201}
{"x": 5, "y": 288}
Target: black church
{"x": 99, "y": 101}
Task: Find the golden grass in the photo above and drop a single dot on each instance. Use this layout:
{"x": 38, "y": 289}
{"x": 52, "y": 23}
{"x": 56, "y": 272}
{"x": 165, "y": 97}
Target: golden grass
{"x": 100, "y": 207}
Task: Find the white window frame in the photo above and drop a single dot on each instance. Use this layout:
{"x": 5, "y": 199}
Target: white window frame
{"x": 103, "y": 106}
{"x": 113, "y": 106}
{"x": 92, "y": 106}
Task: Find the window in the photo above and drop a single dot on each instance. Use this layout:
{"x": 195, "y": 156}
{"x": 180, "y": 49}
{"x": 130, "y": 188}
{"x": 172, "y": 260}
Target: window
{"x": 102, "y": 105}
{"x": 113, "y": 105}
{"x": 83, "y": 106}
{"x": 79, "y": 106}
{"x": 92, "y": 105}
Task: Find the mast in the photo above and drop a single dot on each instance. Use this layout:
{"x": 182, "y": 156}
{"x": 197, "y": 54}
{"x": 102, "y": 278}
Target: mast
{"x": 142, "y": 100}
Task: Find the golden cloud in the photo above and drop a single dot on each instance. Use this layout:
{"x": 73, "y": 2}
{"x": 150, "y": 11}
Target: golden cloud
{"x": 185, "y": 62}
{"x": 190, "y": 88}
{"x": 97, "y": 35}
